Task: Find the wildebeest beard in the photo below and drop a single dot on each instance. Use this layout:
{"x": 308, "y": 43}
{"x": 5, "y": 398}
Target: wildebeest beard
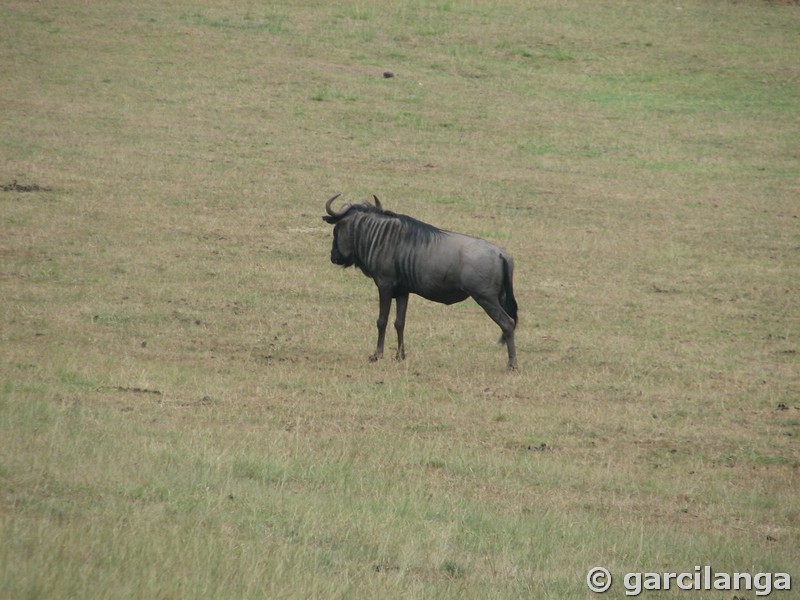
{"x": 338, "y": 258}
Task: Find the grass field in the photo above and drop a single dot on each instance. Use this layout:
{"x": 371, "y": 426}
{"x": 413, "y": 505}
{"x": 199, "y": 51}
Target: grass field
{"x": 186, "y": 406}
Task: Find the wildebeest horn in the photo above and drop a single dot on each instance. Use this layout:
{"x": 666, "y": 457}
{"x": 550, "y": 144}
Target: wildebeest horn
{"x": 377, "y": 202}
{"x": 341, "y": 211}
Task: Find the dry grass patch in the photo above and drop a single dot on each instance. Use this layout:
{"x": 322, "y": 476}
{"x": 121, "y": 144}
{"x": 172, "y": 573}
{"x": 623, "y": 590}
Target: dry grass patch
{"x": 186, "y": 407}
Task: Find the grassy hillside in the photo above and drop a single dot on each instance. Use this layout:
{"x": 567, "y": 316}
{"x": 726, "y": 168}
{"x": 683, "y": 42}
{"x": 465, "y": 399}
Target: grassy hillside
{"x": 186, "y": 405}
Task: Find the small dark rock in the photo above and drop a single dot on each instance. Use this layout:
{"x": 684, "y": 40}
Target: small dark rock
{"x": 21, "y": 187}
{"x": 381, "y": 567}
{"x": 388, "y": 74}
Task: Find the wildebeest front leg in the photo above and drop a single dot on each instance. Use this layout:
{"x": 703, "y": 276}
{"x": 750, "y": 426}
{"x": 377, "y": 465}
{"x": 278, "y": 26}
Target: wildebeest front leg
{"x": 385, "y": 300}
{"x": 401, "y": 303}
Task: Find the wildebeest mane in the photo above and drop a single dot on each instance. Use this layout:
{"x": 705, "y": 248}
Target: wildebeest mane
{"x": 417, "y": 230}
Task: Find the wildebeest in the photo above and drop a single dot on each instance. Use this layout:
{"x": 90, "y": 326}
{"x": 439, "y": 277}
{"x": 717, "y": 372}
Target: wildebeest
{"x": 406, "y": 256}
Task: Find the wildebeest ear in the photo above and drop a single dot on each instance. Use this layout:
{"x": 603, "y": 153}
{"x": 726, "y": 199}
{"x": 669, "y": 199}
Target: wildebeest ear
{"x": 328, "y": 219}
{"x": 377, "y": 202}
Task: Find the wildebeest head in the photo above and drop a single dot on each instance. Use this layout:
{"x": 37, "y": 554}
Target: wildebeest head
{"x": 342, "y": 219}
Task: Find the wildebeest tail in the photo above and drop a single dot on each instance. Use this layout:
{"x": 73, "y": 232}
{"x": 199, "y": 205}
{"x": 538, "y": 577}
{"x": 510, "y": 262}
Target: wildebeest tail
{"x": 507, "y": 300}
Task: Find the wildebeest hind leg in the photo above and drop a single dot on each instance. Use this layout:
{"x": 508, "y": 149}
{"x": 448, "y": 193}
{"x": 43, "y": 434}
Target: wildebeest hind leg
{"x": 401, "y": 303}
{"x": 385, "y": 301}
{"x": 507, "y": 325}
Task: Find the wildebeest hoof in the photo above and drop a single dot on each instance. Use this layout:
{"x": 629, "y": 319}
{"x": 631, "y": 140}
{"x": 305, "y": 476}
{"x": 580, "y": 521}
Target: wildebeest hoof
{"x": 400, "y": 356}
{"x": 375, "y": 357}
